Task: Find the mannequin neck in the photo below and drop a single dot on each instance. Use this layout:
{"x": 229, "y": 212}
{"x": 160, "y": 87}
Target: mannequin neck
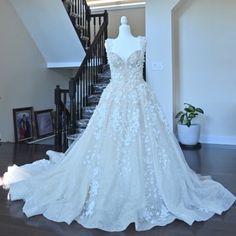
{"x": 124, "y": 31}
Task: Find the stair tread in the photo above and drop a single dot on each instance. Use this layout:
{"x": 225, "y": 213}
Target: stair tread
{"x": 68, "y": 3}
{"x": 73, "y": 136}
{"x": 94, "y": 95}
{"x": 79, "y": 27}
{"x": 80, "y": 130}
{"x": 98, "y": 88}
{"x": 100, "y": 85}
{"x": 85, "y": 38}
{"x": 105, "y": 80}
{"x": 82, "y": 123}
{"x": 83, "y": 120}
{"x": 75, "y": 15}
{"x": 88, "y": 111}
{"x": 106, "y": 67}
{"x": 105, "y": 74}
{"x": 89, "y": 107}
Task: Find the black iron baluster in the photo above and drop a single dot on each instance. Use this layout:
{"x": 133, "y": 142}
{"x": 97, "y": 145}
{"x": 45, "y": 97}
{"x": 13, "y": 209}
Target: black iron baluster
{"x": 72, "y": 92}
{"x": 58, "y": 125}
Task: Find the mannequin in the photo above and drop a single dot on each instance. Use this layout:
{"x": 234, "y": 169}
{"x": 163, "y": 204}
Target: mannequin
{"x": 125, "y": 44}
{"x": 126, "y": 167}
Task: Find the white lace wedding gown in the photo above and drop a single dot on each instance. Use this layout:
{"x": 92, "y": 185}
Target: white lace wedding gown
{"x": 126, "y": 167}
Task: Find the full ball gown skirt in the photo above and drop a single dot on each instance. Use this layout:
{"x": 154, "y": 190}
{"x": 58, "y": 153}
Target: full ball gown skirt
{"x": 126, "y": 167}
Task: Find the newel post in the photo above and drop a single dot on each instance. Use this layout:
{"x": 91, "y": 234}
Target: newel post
{"x": 72, "y": 94}
{"x": 58, "y": 116}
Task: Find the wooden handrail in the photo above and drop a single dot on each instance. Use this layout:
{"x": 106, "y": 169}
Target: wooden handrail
{"x": 90, "y": 67}
{"x": 89, "y": 52}
{"x": 92, "y": 32}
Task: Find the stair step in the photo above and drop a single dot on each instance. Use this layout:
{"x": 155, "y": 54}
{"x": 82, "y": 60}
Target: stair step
{"x": 87, "y": 112}
{"x": 104, "y": 77}
{"x": 106, "y": 67}
{"x": 82, "y": 123}
{"x": 79, "y": 27}
{"x": 80, "y": 130}
{"x": 68, "y": 3}
{"x": 102, "y": 80}
{"x": 105, "y": 74}
{"x": 71, "y": 138}
{"x": 94, "y": 99}
{"x": 74, "y": 15}
{"x": 85, "y": 38}
{"x": 98, "y": 88}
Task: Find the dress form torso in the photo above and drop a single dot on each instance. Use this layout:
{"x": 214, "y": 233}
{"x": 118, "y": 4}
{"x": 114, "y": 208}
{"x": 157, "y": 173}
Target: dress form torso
{"x": 125, "y": 44}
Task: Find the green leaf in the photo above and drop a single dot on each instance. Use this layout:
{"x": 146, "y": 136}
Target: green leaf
{"x": 178, "y": 114}
{"x": 192, "y": 115}
{"x": 189, "y": 109}
{"x": 181, "y": 119}
{"x": 199, "y": 110}
{"x": 190, "y": 106}
{"x": 187, "y": 104}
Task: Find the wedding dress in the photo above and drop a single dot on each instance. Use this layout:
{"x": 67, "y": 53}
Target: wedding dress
{"x": 126, "y": 167}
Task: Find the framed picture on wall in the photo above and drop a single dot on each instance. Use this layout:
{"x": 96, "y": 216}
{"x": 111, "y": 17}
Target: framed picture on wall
{"x": 23, "y": 124}
{"x": 44, "y": 123}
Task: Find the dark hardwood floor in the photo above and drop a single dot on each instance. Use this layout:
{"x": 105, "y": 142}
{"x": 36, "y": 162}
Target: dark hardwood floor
{"x": 216, "y": 160}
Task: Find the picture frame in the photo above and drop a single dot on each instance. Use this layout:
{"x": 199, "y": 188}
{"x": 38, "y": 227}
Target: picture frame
{"x": 23, "y": 124}
{"x": 44, "y": 123}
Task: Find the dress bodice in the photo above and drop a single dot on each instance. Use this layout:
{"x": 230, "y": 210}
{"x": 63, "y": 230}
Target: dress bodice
{"x": 129, "y": 69}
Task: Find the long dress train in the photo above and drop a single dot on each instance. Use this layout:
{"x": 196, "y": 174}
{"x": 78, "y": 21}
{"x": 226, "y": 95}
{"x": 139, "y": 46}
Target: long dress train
{"x": 126, "y": 167}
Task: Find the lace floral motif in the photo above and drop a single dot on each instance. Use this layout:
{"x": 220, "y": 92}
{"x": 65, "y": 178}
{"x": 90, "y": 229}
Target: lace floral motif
{"x": 126, "y": 167}
{"x": 90, "y": 203}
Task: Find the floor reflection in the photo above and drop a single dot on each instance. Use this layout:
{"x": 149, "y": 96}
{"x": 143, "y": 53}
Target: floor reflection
{"x": 218, "y": 161}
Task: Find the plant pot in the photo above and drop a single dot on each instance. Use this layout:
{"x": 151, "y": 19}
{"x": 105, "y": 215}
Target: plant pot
{"x": 188, "y": 135}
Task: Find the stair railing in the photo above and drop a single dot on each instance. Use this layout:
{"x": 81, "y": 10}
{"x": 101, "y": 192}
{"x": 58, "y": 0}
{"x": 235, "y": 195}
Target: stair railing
{"x": 69, "y": 103}
{"x": 62, "y": 115}
{"x": 91, "y": 65}
{"x": 85, "y": 23}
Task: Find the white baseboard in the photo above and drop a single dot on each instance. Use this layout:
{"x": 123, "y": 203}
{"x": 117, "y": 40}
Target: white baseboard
{"x": 211, "y": 139}
{"x": 68, "y": 65}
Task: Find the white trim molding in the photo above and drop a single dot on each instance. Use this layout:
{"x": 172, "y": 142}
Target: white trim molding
{"x": 69, "y": 65}
{"x": 118, "y": 7}
{"x": 214, "y": 139}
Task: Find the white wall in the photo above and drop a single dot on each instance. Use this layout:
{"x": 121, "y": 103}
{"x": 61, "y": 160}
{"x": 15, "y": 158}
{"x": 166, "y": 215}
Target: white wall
{"x": 195, "y": 42}
{"x": 136, "y": 20}
{"x": 159, "y": 52}
{"x": 24, "y": 78}
{"x": 50, "y": 27}
{"x": 206, "y": 60}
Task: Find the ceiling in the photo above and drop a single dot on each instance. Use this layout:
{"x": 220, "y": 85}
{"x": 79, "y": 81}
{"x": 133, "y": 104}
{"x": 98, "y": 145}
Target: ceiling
{"x": 102, "y": 3}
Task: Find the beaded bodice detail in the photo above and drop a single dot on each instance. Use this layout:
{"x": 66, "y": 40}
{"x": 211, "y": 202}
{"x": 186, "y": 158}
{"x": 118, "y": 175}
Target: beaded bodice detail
{"x": 129, "y": 69}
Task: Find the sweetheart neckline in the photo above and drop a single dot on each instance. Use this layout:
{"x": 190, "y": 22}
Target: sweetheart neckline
{"x": 126, "y": 60}
{"x": 110, "y": 44}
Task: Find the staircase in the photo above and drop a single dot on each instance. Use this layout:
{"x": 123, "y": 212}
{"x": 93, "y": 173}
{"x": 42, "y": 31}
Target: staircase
{"x": 75, "y": 105}
{"x": 103, "y": 80}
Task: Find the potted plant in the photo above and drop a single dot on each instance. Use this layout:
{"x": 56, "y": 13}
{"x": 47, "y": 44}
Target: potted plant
{"x": 188, "y": 132}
